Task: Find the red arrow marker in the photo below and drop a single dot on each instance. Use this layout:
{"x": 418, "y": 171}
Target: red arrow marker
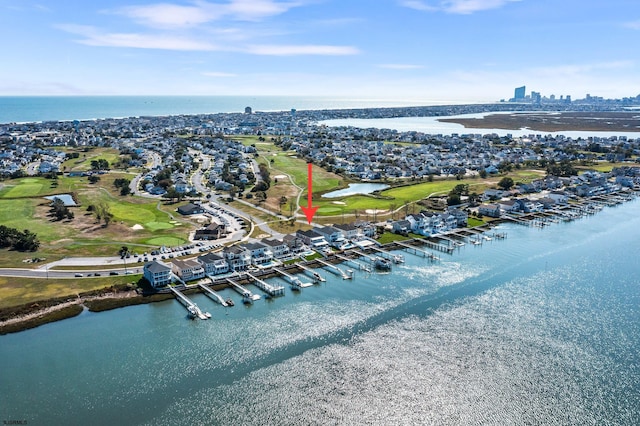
{"x": 309, "y": 211}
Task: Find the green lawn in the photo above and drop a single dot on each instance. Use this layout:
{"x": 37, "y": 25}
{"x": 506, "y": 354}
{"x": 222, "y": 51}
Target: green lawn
{"x": 18, "y": 291}
{"x": 473, "y": 222}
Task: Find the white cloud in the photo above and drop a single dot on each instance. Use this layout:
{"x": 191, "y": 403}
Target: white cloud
{"x": 293, "y": 50}
{"x": 168, "y": 15}
{"x": 418, "y": 5}
{"x": 463, "y": 7}
{"x": 93, "y": 37}
{"x": 400, "y": 66}
{"x": 634, "y": 25}
{"x": 217, "y": 74}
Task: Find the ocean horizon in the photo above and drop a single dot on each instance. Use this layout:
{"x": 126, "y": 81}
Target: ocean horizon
{"x": 23, "y": 109}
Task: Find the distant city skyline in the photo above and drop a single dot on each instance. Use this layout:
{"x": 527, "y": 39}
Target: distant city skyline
{"x": 424, "y": 50}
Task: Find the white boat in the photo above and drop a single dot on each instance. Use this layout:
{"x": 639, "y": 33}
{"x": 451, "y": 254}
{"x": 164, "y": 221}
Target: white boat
{"x": 193, "y": 311}
{"x": 382, "y": 264}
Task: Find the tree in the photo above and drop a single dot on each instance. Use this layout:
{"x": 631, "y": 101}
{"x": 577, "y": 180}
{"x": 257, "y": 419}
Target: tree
{"x": 59, "y": 210}
{"x": 20, "y": 241}
{"x": 124, "y": 250}
{"x": 99, "y": 164}
{"x": 483, "y": 173}
{"x": 103, "y": 212}
{"x": 453, "y": 199}
{"x": 94, "y": 178}
{"x": 505, "y": 183}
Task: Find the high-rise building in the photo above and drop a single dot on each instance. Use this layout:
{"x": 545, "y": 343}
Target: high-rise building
{"x": 536, "y": 97}
{"x": 519, "y": 93}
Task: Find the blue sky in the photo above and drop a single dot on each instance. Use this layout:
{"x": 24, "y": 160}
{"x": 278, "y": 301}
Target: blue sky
{"x": 428, "y": 50}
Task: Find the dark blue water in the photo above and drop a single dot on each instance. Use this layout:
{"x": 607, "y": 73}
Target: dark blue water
{"x": 47, "y": 108}
{"x": 540, "y": 328}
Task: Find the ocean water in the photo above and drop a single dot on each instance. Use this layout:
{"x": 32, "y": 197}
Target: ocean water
{"x": 540, "y": 328}
{"x": 46, "y": 108}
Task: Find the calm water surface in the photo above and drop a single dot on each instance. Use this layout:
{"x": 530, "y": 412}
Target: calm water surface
{"x": 356, "y": 188}
{"x": 540, "y": 328}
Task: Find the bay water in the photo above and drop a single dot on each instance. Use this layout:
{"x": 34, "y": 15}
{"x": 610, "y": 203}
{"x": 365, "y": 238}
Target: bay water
{"x": 540, "y": 328}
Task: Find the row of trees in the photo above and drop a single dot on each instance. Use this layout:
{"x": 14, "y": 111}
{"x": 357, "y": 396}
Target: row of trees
{"x": 123, "y": 185}
{"x": 99, "y": 164}
{"x": 17, "y": 240}
{"x": 59, "y": 210}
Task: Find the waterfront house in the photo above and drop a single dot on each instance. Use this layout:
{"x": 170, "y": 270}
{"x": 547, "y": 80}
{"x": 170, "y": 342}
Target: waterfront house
{"x": 280, "y": 249}
{"x": 401, "y": 226}
{"x": 547, "y": 202}
{"x": 260, "y": 253}
{"x": 213, "y": 264}
{"x": 560, "y": 197}
{"x": 312, "y": 239}
{"x": 349, "y": 231}
{"x": 188, "y": 269}
{"x": 332, "y": 235}
{"x": 508, "y": 205}
{"x": 238, "y": 258}
{"x": 491, "y": 210}
{"x": 461, "y": 216}
{"x": 294, "y": 243}
{"x": 158, "y": 274}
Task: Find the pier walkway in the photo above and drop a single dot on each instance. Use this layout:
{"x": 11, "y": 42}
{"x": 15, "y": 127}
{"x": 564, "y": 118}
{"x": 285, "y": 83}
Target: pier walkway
{"x": 416, "y": 250}
{"x": 360, "y": 266}
{"x": 293, "y": 280}
{"x": 212, "y": 294}
{"x": 247, "y": 296}
{"x": 193, "y": 309}
{"x": 396, "y": 258}
{"x": 335, "y": 269}
{"x": 316, "y": 276}
{"x": 266, "y": 287}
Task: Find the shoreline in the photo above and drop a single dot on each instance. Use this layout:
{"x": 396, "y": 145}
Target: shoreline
{"x": 31, "y": 315}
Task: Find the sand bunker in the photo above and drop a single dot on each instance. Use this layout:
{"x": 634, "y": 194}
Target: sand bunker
{"x": 340, "y": 203}
{"x": 281, "y": 177}
{"x": 137, "y": 227}
{"x": 372, "y": 211}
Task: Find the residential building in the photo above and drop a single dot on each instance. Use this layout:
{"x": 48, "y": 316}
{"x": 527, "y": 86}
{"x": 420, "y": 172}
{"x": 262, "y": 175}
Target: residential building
{"x": 187, "y": 270}
{"x": 260, "y": 253}
{"x": 238, "y": 258}
{"x": 157, "y": 273}
{"x": 213, "y": 264}
{"x": 491, "y": 210}
{"x": 280, "y": 249}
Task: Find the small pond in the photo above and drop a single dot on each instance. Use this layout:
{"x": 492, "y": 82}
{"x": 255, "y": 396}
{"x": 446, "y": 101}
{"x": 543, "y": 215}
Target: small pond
{"x": 356, "y": 188}
{"x": 67, "y": 199}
